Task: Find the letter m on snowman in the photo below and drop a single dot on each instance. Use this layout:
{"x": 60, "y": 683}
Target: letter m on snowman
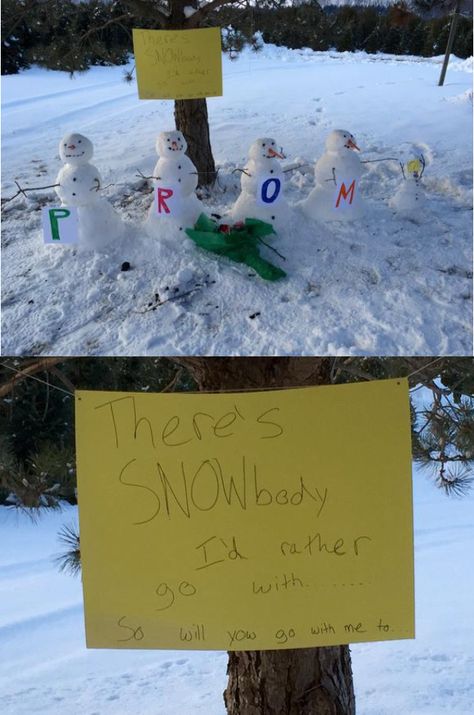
{"x": 345, "y": 195}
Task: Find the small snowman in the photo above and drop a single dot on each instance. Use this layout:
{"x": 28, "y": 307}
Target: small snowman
{"x": 79, "y": 184}
{"x": 409, "y": 202}
{"x": 336, "y": 196}
{"x": 262, "y": 184}
{"x": 175, "y": 206}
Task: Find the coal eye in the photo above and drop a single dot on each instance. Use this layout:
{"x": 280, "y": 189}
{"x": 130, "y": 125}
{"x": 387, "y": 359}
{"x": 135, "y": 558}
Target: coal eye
{"x": 263, "y": 144}
{"x": 80, "y": 141}
{"x": 273, "y": 143}
{"x": 65, "y": 145}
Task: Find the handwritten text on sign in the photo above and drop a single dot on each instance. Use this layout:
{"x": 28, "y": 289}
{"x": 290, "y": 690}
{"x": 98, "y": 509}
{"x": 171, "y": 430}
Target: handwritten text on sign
{"x": 178, "y": 64}
{"x": 246, "y": 521}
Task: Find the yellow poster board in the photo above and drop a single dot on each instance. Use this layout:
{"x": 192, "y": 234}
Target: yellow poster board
{"x": 178, "y": 64}
{"x": 249, "y": 521}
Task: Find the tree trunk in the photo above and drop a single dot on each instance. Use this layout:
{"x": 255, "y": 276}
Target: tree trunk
{"x": 303, "y": 681}
{"x": 191, "y": 119}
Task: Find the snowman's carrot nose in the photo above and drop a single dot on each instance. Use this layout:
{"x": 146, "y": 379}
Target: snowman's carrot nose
{"x": 352, "y": 145}
{"x": 174, "y": 145}
{"x": 71, "y": 146}
{"x": 272, "y": 153}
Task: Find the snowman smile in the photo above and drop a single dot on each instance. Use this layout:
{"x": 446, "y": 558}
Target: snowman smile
{"x": 75, "y": 155}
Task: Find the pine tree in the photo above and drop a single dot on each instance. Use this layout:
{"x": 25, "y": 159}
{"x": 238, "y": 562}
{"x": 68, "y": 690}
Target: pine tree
{"x": 37, "y": 466}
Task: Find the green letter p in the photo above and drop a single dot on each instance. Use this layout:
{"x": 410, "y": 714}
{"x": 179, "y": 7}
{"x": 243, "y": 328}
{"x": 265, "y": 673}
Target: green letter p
{"x": 54, "y": 216}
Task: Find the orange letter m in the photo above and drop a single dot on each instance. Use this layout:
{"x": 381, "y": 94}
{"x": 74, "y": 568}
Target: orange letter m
{"x": 344, "y": 193}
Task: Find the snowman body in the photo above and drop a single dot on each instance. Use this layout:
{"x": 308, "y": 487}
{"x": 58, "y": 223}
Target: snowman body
{"x": 410, "y": 202}
{"x": 262, "y": 185}
{"x": 79, "y": 182}
{"x": 176, "y": 170}
{"x": 336, "y": 195}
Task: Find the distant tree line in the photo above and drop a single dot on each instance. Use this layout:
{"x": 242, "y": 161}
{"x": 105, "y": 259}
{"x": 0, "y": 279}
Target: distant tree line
{"x": 349, "y": 28}
{"x": 71, "y": 36}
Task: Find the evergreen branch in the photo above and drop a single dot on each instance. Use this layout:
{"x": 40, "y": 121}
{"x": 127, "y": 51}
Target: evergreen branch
{"x": 457, "y": 482}
{"x": 356, "y": 371}
{"x": 41, "y": 365}
{"x": 142, "y": 9}
{"x": 70, "y": 560}
{"x": 21, "y": 16}
{"x": 200, "y": 15}
{"x": 62, "y": 377}
{"x": 170, "y": 387}
{"x": 93, "y": 31}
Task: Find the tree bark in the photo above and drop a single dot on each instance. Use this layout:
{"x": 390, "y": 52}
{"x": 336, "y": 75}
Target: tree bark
{"x": 191, "y": 119}
{"x": 303, "y": 681}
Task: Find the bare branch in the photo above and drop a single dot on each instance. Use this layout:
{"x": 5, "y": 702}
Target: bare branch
{"x": 23, "y": 191}
{"x": 142, "y": 176}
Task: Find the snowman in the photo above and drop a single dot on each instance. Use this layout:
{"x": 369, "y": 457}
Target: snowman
{"x": 336, "y": 196}
{"x": 409, "y": 201}
{"x": 261, "y": 184}
{"x": 79, "y": 184}
{"x": 175, "y": 206}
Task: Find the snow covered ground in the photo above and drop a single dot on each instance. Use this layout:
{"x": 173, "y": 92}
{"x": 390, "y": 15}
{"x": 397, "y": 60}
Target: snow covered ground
{"x": 384, "y": 285}
{"x": 45, "y": 668}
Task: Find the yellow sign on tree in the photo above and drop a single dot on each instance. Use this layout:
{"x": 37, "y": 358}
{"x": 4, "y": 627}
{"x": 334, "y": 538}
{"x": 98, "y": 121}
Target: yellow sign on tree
{"x": 246, "y": 521}
{"x": 178, "y": 64}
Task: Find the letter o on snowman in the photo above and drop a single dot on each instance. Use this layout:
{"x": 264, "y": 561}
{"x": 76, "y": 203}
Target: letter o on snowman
{"x": 269, "y": 190}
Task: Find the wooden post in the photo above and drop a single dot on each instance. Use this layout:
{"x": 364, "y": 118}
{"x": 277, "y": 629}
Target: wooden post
{"x": 449, "y": 47}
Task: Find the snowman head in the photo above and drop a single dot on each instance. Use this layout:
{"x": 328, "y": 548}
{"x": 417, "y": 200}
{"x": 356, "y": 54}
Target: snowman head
{"x": 265, "y": 148}
{"x": 415, "y": 169}
{"x": 341, "y": 139}
{"x": 75, "y": 149}
{"x": 170, "y": 144}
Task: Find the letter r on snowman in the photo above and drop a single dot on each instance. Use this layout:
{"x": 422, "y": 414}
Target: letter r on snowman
{"x": 168, "y": 200}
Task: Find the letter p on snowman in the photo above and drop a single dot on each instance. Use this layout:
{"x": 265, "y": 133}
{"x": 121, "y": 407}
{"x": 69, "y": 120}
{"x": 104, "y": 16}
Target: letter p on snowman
{"x": 60, "y": 225}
